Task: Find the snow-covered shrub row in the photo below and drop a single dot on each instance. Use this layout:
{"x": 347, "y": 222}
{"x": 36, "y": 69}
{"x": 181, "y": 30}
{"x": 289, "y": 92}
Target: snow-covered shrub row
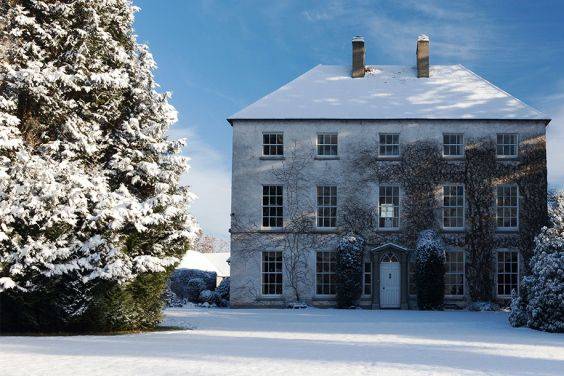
{"x": 348, "y": 271}
{"x": 180, "y": 278}
{"x": 91, "y": 212}
{"x": 430, "y": 270}
{"x": 540, "y": 302}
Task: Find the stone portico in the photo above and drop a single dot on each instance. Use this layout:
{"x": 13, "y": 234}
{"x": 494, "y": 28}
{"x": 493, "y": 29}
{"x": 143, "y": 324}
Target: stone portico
{"x": 381, "y": 256}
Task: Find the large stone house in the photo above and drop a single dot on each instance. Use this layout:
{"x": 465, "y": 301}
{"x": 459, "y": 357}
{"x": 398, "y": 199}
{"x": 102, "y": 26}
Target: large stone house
{"x": 384, "y": 151}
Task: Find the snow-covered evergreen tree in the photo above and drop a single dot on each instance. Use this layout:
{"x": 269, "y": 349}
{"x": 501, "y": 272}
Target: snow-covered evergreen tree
{"x": 348, "y": 271}
{"x": 430, "y": 270}
{"x": 89, "y": 182}
{"x": 540, "y": 303}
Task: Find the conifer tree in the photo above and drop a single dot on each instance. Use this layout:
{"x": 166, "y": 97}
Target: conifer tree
{"x": 91, "y": 206}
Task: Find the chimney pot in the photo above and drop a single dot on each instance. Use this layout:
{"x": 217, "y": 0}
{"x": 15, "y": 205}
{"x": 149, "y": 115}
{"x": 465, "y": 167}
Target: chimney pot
{"x": 358, "y": 57}
{"x": 423, "y": 56}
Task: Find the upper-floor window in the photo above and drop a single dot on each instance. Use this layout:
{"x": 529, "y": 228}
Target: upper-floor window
{"x": 388, "y": 206}
{"x": 273, "y": 144}
{"x": 454, "y": 273}
{"x": 326, "y": 206}
{"x": 507, "y": 272}
{"x": 327, "y": 144}
{"x": 272, "y": 206}
{"x": 507, "y": 206}
{"x": 507, "y": 145}
{"x": 271, "y": 273}
{"x": 325, "y": 267}
{"x": 453, "y": 144}
{"x": 389, "y": 145}
{"x": 453, "y": 206}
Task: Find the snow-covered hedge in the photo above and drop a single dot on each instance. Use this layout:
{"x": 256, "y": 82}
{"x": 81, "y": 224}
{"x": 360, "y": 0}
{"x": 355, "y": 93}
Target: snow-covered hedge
{"x": 540, "y": 303}
{"x": 430, "y": 270}
{"x": 223, "y": 288}
{"x": 349, "y": 270}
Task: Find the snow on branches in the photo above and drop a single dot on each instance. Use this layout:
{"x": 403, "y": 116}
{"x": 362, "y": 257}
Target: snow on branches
{"x": 88, "y": 178}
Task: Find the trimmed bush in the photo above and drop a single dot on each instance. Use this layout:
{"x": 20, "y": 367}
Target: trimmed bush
{"x": 195, "y": 287}
{"x": 349, "y": 271}
{"x": 223, "y": 288}
{"x": 430, "y": 270}
{"x": 180, "y": 277}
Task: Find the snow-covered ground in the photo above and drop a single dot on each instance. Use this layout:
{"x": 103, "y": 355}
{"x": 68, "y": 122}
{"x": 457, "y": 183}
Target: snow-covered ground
{"x": 299, "y": 342}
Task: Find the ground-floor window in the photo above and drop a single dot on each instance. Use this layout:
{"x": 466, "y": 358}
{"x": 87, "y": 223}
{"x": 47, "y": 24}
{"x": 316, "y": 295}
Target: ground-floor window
{"x": 507, "y": 272}
{"x": 454, "y": 273}
{"x": 272, "y": 273}
{"x": 367, "y": 280}
{"x": 325, "y": 273}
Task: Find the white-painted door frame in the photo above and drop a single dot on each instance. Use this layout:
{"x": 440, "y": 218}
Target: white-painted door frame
{"x": 390, "y": 282}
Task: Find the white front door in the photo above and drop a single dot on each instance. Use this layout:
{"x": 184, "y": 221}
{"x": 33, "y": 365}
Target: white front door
{"x": 390, "y": 285}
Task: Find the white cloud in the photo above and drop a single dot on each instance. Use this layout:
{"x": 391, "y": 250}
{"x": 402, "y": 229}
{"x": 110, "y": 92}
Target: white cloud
{"x": 210, "y": 179}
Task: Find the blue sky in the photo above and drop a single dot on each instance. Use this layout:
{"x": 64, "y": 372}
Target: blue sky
{"x": 216, "y": 57}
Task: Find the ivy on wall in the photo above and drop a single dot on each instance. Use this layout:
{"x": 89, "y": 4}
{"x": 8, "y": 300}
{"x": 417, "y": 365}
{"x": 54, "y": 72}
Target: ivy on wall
{"x": 421, "y": 170}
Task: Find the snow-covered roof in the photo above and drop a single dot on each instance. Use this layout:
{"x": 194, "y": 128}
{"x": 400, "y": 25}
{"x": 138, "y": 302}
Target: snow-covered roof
{"x": 211, "y": 262}
{"x": 389, "y": 92}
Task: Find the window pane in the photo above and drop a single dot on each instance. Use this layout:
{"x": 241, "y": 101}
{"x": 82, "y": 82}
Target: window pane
{"x": 388, "y": 207}
{"x": 326, "y": 206}
{"x": 507, "y": 272}
{"x": 272, "y": 273}
{"x": 507, "y": 144}
{"x": 325, "y": 273}
{"x": 272, "y": 206}
{"x": 454, "y": 273}
{"x": 327, "y": 144}
{"x": 273, "y": 144}
{"x": 507, "y": 202}
{"x": 453, "y": 206}
{"x": 389, "y": 144}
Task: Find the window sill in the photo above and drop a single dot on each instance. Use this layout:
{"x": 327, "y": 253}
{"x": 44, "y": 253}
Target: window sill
{"x": 272, "y": 230}
{"x": 270, "y": 298}
{"x": 507, "y": 230}
{"x": 325, "y": 229}
{"x": 326, "y": 158}
{"x": 324, "y": 298}
{"x": 272, "y": 158}
{"x": 389, "y": 229}
{"x": 453, "y": 157}
{"x": 388, "y": 158}
{"x": 454, "y": 229}
{"x": 507, "y": 157}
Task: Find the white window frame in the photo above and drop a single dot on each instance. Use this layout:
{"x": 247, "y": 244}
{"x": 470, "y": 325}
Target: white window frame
{"x": 331, "y": 272}
{"x": 270, "y": 145}
{"x": 456, "y": 273}
{"x": 463, "y": 207}
{"x": 497, "y": 273}
{"x": 380, "y": 145}
{"x": 392, "y": 186}
{"x": 263, "y": 206}
{"x": 503, "y": 156}
{"x": 364, "y": 274}
{"x": 462, "y": 145}
{"x": 517, "y": 207}
{"x": 324, "y": 206}
{"x": 328, "y": 145}
{"x": 263, "y": 273}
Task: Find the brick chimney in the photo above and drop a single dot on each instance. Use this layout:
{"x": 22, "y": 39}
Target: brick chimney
{"x": 358, "y": 57}
{"x": 422, "y": 56}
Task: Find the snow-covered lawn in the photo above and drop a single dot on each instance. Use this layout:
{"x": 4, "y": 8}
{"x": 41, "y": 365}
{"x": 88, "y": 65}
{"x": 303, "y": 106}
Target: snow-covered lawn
{"x": 300, "y": 342}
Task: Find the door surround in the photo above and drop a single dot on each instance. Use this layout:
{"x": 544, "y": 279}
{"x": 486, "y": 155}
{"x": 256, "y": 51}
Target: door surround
{"x": 401, "y": 254}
